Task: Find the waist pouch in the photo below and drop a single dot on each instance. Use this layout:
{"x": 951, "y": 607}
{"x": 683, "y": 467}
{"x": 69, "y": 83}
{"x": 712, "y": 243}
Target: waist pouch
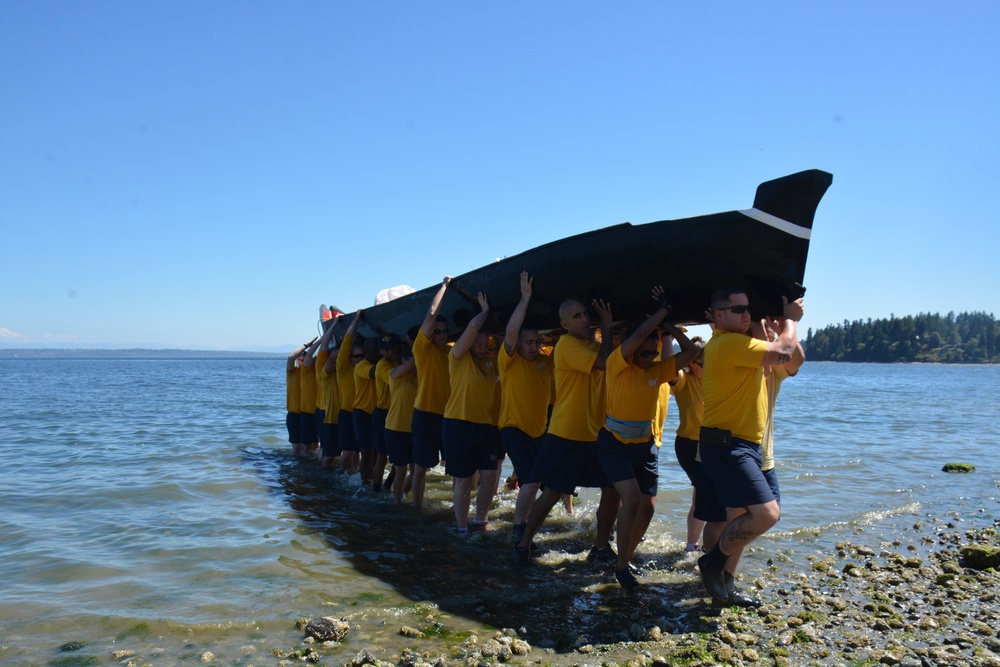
{"x": 628, "y": 429}
{"x": 716, "y": 437}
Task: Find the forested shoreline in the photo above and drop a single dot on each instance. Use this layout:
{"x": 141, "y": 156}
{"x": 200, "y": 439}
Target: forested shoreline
{"x": 966, "y": 338}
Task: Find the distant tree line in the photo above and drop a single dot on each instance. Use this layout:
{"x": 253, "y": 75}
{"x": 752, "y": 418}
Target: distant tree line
{"x": 966, "y": 338}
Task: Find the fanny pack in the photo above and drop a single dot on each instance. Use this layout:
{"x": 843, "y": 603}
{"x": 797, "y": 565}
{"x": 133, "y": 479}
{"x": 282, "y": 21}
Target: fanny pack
{"x": 627, "y": 429}
{"x": 716, "y": 437}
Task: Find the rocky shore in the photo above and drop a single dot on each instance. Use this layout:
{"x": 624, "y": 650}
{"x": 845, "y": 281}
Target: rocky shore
{"x": 924, "y": 596}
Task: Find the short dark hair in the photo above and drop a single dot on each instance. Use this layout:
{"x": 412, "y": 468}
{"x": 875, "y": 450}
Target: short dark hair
{"x": 722, "y": 296}
{"x": 441, "y": 318}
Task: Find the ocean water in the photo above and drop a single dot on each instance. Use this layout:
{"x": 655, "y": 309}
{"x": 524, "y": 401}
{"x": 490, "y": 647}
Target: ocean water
{"x": 158, "y": 500}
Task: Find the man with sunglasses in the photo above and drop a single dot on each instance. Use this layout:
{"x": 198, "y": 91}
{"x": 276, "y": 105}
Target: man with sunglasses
{"x": 732, "y": 431}
{"x": 625, "y": 445}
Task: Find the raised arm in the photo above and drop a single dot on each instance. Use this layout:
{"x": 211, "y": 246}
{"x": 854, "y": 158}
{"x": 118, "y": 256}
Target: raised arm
{"x": 689, "y": 351}
{"x": 309, "y": 359}
{"x": 468, "y": 336}
{"x": 781, "y": 350}
{"x": 428, "y": 326}
{"x": 517, "y": 317}
{"x": 646, "y": 329}
{"x": 290, "y": 364}
{"x": 607, "y": 342}
{"x": 406, "y": 366}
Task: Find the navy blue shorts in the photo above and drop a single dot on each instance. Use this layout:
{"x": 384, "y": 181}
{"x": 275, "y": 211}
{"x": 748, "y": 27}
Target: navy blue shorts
{"x": 427, "y": 442}
{"x": 523, "y": 451}
{"x": 623, "y": 462}
{"x": 363, "y": 430}
{"x": 564, "y": 464}
{"x": 707, "y": 505}
{"x": 501, "y": 449}
{"x": 330, "y": 440}
{"x": 686, "y": 450}
{"x": 468, "y": 447}
{"x": 307, "y": 428}
{"x": 772, "y": 481}
{"x": 400, "y": 447}
{"x": 736, "y": 473}
{"x": 292, "y": 425}
{"x": 378, "y": 430}
{"x": 346, "y": 432}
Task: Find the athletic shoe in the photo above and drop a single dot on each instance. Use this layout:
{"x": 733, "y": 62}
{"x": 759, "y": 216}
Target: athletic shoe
{"x": 521, "y": 556}
{"x": 712, "y": 578}
{"x": 604, "y": 555}
{"x": 626, "y": 579}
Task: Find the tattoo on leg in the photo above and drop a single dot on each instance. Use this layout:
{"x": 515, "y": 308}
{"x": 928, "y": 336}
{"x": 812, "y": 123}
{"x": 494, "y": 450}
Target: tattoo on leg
{"x": 736, "y": 532}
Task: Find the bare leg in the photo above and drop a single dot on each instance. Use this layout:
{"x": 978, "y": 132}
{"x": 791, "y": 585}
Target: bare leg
{"x": 419, "y": 483}
{"x": 694, "y": 526}
{"x": 488, "y": 480}
{"x": 607, "y": 510}
{"x": 525, "y": 499}
{"x": 461, "y": 493}
{"x": 628, "y": 492}
{"x": 399, "y": 484}
{"x": 536, "y": 517}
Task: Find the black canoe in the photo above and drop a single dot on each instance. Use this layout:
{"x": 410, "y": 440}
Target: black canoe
{"x": 762, "y": 249}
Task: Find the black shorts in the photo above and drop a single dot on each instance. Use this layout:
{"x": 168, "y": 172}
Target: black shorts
{"x": 400, "y": 446}
{"x": 468, "y": 447}
{"x": 345, "y": 432}
{"x": 707, "y": 506}
{"x": 307, "y": 428}
{"x": 427, "y": 442}
{"x": 378, "y": 430}
{"x": 686, "y": 450}
{"x": 523, "y": 451}
{"x": 564, "y": 464}
{"x": 736, "y": 473}
{"x": 292, "y": 426}
{"x": 622, "y": 462}
{"x": 363, "y": 430}
{"x": 330, "y": 440}
{"x": 320, "y": 431}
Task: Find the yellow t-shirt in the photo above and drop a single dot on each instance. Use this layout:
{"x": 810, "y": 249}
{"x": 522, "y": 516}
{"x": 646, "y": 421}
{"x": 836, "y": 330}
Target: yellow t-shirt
{"x": 364, "y": 386}
{"x": 345, "y": 374}
{"x": 633, "y": 391}
{"x": 402, "y": 393}
{"x": 307, "y": 382}
{"x": 525, "y": 391}
{"x": 293, "y": 391}
{"x": 578, "y": 412}
{"x": 433, "y": 386}
{"x": 322, "y": 391}
{"x": 332, "y": 396}
{"x": 690, "y": 405}
{"x": 472, "y": 387}
{"x": 382, "y": 370}
{"x": 733, "y": 385}
{"x": 662, "y": 404}
{"x": 772, "y": 384}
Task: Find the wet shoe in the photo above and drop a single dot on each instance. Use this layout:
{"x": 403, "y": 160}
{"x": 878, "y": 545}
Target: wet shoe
{"x": 712, "y": 578}
{"x": 517, "y": 531}
{"x": 521, "y": 556}
{"x": 604, "y": 555}
{"x": 626, "y": 578}
{"x": 636, "y": 570}
{"x": 737, "y": 599}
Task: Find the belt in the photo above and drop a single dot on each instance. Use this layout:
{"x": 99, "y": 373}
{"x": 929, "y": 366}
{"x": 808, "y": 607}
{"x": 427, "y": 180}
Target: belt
{"x": 627, "y": 429}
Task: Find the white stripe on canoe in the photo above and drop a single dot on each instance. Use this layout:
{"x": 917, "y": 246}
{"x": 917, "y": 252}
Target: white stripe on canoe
{"x": 777, "y": 223}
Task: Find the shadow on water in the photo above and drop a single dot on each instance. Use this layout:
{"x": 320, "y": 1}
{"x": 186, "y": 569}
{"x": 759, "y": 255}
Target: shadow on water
{"x": 561, "y": 601}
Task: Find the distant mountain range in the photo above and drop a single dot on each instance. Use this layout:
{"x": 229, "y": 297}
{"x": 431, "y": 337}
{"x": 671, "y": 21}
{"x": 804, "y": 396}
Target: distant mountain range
{"x": 136, "y": 353}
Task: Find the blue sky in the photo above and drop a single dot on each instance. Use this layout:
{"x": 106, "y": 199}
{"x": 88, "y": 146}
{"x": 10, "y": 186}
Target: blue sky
{"x": 205, "y": 174}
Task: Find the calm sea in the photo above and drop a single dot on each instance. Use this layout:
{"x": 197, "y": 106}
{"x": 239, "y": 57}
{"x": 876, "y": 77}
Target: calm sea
{"x": 158, "y": 500}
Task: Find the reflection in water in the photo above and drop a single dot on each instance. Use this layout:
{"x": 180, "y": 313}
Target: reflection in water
{"x": 562, "y": 600}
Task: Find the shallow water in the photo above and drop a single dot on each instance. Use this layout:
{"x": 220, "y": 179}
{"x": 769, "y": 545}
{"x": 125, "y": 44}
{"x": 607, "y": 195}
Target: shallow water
{"x": 158, "y": 499}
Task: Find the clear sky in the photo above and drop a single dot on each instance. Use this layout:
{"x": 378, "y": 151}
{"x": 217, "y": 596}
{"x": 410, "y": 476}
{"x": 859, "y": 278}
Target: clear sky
{"x": 205, "y": 174}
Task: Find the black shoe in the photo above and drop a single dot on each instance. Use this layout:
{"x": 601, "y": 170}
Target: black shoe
{"x": 737, "y": 599}
{"x": 712, "y": 578}
{"x": 605, "y": 555}
{"x": 626, "y": 579}
{"x": 637, "y": 570}
{"x": 521, "y": 556}
{"x": 517, "y": 531}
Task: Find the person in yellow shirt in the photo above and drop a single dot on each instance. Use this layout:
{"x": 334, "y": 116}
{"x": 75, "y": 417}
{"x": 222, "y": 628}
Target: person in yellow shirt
{"x": 686, "y": 390}
{"x": 525, "y": 388}
{"x": 350, "y": 353}
{"x": 625, "y": 444}
{"x": 389, "y": 347}
{"x": 308, "y": 398}
{"x": 568, "y": 456}
{"x": 331, "y": 422}
{"x": 398, "y": 434}
{"x": 732, "y": 430}
{"x": 773, "y": 377}
{"x": 430, "y": 354}
{"x": 325, "y": 383}
{"x": 365, "y": 399}
{"x": 293, "y": 397}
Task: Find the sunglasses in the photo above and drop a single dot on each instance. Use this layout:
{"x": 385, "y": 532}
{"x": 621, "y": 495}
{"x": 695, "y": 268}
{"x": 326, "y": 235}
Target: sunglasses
{"x": 440, "y": 331}
{"x": 646, "y": 354}
{"x": 738, "y": 309}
